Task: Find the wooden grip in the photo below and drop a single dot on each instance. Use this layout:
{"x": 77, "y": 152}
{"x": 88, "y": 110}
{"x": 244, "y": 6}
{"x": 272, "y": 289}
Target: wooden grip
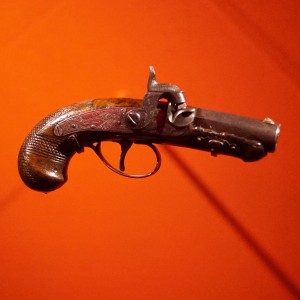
{"x": 45, "y": 154}
{"x": 43, "y": 157}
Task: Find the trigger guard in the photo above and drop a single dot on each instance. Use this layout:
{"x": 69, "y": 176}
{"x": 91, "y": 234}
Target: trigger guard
{"x": 99, "y": 153}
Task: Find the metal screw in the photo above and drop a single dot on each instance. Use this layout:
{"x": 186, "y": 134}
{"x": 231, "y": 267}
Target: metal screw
{"x": 134, "y": 118}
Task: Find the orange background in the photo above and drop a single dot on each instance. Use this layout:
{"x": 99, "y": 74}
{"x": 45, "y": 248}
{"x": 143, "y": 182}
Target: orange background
{"x": 203, "y": 227}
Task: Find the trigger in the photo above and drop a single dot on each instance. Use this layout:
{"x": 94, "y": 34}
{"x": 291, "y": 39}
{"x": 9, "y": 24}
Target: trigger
{"x": 125, "y": 146}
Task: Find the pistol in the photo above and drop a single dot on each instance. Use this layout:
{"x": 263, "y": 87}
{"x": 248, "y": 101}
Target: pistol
{"x": 161, "y": 117}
